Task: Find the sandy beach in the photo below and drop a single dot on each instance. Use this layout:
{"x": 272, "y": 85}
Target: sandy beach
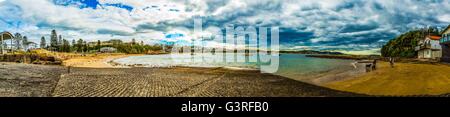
{"x": 47, "y": 81}
{"x": 93, "y": 76}
{"x": 96, "y": 61}
{"x": 334, "y": 75}
{"x": 405, "y": 79}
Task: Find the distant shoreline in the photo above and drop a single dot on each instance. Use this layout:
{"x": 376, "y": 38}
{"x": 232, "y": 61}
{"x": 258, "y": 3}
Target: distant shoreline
{"x": 344, "y": 56}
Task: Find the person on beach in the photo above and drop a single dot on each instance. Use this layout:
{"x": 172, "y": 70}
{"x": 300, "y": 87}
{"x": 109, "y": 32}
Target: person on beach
{"x": 368, "y": 67}
{"x": 354, "y": 64}
{"x": 391, "y": 61}
{"x": 374, "y": 64}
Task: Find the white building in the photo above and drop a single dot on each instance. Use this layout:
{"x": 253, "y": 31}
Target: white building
{"x": 429, "y": 48}
{"x": 108, "y": 50}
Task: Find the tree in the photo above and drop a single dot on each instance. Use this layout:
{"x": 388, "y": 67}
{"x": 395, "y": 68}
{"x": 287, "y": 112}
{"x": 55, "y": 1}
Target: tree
{"x": 65, "y": 46}
{"x": 43, "y": 43}
{"x": 404, "y": 45}
{"x": 79, "y": 45}
{"x": 85, "y": 46}
{"x": 60, "y": 43}
{"x": 133, "y": 41}
{"x": 74, "y": 42}
{"x": 54, "y": 41}
{"x": 17, "y": 41}
{"x": 25, "y": 42}
{"x": 142, "y": 42}
{"x": 60, "y": 40}
{"x": 99, "y": 43}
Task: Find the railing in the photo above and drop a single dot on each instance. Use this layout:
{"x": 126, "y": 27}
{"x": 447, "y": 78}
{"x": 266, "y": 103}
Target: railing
{"x": 445, "y": 39}
{"x": 423, "y": 46}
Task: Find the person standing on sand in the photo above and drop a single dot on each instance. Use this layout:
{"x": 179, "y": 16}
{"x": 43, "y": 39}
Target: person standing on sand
{"x": 374, "y": 64}
{"x": 391, "y": 61}
{"x": 354, "y": 64}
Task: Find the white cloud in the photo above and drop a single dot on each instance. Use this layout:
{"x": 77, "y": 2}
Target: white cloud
{"x": 444, "y": 18}
{"x": 323, "y": 18}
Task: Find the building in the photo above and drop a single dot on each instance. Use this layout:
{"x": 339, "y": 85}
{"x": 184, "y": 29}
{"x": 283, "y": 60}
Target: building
{"x": 445, "y": 44}
{"x": 429, "y": 48}
{"x": 30, "y": 46}
{"x": 3, "y": 37}
{"x": 108, "y": 50}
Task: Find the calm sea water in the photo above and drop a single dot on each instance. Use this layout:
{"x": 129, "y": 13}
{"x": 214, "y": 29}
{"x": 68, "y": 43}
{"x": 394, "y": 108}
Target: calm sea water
{"x": 290, "y": 65}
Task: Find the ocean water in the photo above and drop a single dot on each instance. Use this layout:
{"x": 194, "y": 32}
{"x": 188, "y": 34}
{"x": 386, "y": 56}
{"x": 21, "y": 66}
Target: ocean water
{"x": 289, "y": 65}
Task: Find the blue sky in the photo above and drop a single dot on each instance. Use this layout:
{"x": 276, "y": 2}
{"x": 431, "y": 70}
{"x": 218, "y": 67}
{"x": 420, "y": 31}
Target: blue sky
{"x": 350, "y": 26}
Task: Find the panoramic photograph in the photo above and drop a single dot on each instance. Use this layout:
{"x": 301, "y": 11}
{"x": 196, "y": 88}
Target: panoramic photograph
{"x": 224, "y": 48}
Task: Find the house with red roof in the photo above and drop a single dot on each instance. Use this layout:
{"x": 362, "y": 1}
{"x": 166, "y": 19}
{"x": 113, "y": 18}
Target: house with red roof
{"x": 429, "y": 48}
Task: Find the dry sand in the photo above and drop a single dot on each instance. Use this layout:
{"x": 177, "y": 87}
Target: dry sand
{"x": 404, "y": 79}
{"x": 95, "y": 61}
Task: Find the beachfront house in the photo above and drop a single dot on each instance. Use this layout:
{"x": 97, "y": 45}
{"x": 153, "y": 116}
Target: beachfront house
{"x": 429, "y": 48}
{"x": 445, "y": 44}
{"x": 108, "y": 50}
{"x": 3, "y": 45}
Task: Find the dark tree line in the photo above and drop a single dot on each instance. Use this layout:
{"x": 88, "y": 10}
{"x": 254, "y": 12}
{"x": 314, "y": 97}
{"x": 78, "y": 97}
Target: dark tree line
{"x": 133, "y": 47}
{"x": 59, "y": 44}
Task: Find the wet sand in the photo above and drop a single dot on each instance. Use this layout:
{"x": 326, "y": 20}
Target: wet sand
{"x": 183, "y": 82}
{"x": 26, "y": 80}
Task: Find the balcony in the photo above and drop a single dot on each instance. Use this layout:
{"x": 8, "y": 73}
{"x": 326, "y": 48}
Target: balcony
{"x": 445, "y": 39}
{"x": 423, "y": 46}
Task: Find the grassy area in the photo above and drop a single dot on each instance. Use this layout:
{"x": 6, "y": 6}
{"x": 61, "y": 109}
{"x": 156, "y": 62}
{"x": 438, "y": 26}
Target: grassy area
{"x": 403, "y": 79}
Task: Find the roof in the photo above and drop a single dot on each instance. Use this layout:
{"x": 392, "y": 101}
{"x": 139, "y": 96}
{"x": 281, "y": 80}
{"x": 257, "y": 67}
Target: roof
{"x": 6, "y": 35}
{"x": 448, "y": 28}
{"x": 432, "y": 37}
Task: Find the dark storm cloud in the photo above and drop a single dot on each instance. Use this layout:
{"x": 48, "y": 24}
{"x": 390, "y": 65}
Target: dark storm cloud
{"x": 329, "y": 24}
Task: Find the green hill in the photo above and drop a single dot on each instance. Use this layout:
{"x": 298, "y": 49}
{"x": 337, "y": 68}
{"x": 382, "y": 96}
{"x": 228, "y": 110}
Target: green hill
{"x": 403, "y": 45}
